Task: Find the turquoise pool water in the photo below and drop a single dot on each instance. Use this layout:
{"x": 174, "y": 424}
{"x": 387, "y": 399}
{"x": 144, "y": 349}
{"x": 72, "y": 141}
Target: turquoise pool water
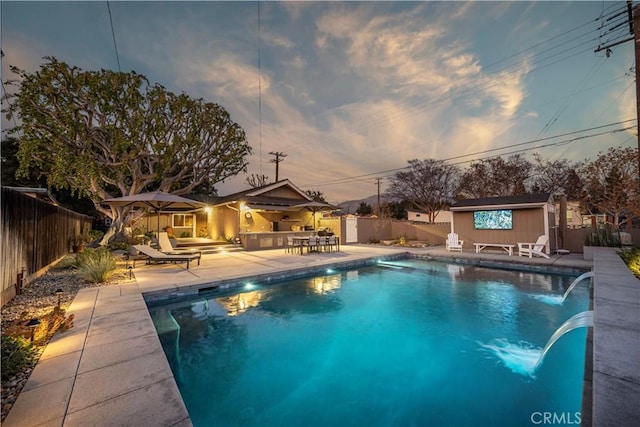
{"x": 407, "y": 343}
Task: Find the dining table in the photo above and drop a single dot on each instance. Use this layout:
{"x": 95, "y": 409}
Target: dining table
{"x": 303, "y": 241}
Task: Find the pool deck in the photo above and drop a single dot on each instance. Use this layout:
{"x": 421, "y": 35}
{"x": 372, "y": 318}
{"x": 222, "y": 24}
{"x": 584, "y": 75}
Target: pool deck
{"x": 110, "y": 369}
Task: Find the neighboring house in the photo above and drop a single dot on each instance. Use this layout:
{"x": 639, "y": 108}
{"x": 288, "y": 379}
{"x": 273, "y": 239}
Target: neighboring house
{"x": 505, "y": 220}
{"x": 574, "y": 216}
{"x": 417, "y": 216}
{"x": 37, "y": 193}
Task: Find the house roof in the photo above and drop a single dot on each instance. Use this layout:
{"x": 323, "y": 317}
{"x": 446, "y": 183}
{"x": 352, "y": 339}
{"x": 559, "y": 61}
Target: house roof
{"x": 511, "y": 202}
{"x": 259, "y": 196}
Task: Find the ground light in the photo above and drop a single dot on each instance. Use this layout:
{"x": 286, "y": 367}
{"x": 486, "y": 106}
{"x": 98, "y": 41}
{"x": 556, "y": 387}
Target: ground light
{"x": 59, "y": 292}
{"x": 33, "y": 324}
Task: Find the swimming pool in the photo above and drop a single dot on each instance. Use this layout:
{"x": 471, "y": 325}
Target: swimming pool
{"x": 404, "y": 342}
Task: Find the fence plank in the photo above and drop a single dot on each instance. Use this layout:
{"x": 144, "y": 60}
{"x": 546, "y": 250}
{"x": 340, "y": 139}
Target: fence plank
{"x": 33, "y": 234}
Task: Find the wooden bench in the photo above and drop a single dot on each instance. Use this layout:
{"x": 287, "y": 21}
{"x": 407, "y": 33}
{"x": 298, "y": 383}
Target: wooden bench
{"x": 507, "y": 248}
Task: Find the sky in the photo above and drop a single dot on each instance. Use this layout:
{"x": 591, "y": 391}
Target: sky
{"x": 351, "y": 91}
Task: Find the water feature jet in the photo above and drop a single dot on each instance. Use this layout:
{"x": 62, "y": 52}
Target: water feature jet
{"x": 522, "y": 358}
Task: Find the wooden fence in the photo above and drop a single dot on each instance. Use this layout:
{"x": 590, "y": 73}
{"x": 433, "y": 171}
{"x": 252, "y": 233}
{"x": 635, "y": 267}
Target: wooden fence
{"x": 34, "y": 234}
{"x": 371, "y": 230}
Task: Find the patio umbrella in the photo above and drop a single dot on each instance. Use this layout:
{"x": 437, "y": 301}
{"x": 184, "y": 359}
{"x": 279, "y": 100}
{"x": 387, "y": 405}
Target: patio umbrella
{"x": 314, "y": 207}
{"x": 157, "y": 201}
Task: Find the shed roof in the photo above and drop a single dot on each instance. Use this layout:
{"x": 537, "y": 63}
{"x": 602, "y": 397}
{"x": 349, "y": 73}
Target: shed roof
{"x": 521, "y": 201}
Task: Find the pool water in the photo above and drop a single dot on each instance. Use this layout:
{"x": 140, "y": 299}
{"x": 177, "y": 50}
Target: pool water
{"x": 404, "y": 343}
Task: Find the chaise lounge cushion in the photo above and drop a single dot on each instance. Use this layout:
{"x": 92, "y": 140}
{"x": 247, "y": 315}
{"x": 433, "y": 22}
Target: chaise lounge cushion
{"x": 155, "y": 255}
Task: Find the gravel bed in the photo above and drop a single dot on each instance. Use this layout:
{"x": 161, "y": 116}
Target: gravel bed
{"x": 37, "y": 299}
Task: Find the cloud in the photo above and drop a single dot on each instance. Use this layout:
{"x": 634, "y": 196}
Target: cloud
{"x": 278, "y": 40}
{"x": 345, "y": 89}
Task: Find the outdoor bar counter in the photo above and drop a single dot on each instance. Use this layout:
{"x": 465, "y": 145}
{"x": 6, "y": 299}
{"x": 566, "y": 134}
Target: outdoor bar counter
{"x": 255, "y": 241}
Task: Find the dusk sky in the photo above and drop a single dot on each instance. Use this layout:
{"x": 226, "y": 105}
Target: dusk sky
{"x": 350, "y": 91}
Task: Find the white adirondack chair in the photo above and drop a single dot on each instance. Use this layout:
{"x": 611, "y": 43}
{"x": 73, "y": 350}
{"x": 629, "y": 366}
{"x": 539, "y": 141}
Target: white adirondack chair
{"x": 531, "y": 249}
{"x": 453, "y": 244}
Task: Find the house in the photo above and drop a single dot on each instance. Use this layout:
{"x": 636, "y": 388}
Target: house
{"x": 505, "y": 220}
{"x": 263, "y": 217}
{"x": 418, "y": 216}
{"x": 259, "y": 217}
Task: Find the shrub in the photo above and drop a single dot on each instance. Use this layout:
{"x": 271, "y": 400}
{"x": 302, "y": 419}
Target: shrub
{"x": 402, "y": 240}
{"x": 96, "y": 265}
{"x": 603, "y": 236}
{"x": 94, "y": 235}
{"x": 632, "y": 258}
{"x": 17, "y": 353}
{"x": 114, "y": 246}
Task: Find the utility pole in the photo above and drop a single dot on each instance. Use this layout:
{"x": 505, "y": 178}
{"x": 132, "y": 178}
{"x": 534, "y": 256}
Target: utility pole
{"x": 633, "y": 15}
{"x": 635, "y": 27}
{"x": 279, "y": 156}
{"x": 379, "y": 208}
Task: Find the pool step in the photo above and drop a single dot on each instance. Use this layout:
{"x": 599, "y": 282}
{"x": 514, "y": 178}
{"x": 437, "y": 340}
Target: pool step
{"x": 221, "y": 249}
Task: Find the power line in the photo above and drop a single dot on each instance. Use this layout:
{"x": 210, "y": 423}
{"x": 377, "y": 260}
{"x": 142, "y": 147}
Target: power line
{"x": 113, "y": 35}
{"x": 492, "y": 150}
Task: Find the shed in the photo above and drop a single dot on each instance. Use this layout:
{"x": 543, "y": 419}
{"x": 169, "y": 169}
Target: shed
{"x": 505, "y": 220}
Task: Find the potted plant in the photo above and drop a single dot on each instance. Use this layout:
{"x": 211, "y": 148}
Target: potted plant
{"x": 77, "y": 243}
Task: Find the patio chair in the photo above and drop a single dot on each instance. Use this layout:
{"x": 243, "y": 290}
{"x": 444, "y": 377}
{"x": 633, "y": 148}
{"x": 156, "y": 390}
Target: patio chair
{"x": 323, "y": 242}
{"x": 453, "y": 244}
{"x": 531, "y": 249}
{"x": 332, "y": 243}
{"x": 313, "y": 244}
{"x": 167, "y": 247}
{"x": 157, "y": 256}
{"x": 293, "y": 246}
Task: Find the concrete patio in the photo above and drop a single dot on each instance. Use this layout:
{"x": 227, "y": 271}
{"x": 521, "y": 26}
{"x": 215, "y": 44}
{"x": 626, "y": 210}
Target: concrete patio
{"x": 110, "y": 369}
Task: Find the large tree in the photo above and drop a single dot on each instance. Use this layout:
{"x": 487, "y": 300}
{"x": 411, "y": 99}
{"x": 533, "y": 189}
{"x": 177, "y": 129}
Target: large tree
{"x": 107, "y": 134}
{"x": 256, "y": 180}
{"x": 611, "y": 184}
{"x": 427, "y": 185}
{"x": 556, "y": 177}
{"x": 495, "y": 177}
{"x": 316, "y": 195}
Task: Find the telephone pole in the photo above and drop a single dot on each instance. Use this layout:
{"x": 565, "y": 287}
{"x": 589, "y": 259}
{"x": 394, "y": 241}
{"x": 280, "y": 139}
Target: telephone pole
{"x": 633, "y": 20}
{"x": 279, "y": 156}
{"x": 379, "y": 208}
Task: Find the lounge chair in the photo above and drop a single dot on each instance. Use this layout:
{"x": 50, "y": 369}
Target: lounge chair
{"x": 531, "y": 249}
{"x": 453, "y": 244}
{"x": 167, "y": 247}
{"x": 157, "y": 256}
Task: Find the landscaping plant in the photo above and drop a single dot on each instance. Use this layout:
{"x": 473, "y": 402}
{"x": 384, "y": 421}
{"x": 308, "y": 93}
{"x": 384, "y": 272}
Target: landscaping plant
{"x": 96, "y": 265}
{"x": 17, "y": 353}
{"x": 632, "y": 258}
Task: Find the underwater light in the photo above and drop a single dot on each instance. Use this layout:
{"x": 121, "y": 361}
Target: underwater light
{"x": 249, "y": 286}
{"x": 330, "y": 270}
